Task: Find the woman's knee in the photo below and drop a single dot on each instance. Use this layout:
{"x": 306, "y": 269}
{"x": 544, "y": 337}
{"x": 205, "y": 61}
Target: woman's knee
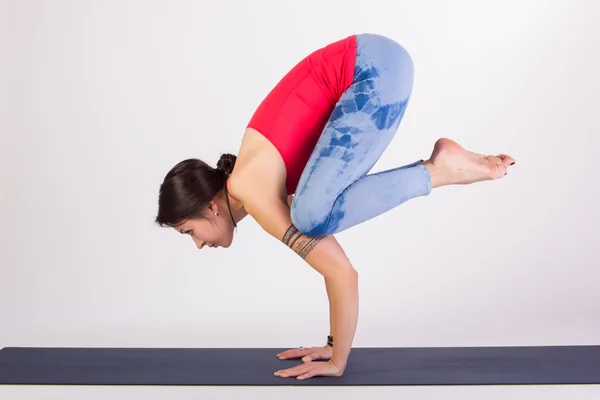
{"x": 315, "y": 221}
{"x": 300, "y": 215}
{"x": 393, "y": 64}
{"x": 399, "y": 72}
{"x": 306, "y": 220}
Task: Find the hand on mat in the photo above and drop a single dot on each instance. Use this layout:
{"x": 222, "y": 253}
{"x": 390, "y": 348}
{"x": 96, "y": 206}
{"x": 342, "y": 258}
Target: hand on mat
{"x": 308, "y": 354}
{"x": 310, "y": 369}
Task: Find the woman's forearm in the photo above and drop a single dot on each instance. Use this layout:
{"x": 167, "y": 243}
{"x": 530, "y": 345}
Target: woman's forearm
{"x": 343, "y": 297}
{"x": 328, "y": 258}
{"x": 341, "y": 281}
{"x": 331, "y": 309}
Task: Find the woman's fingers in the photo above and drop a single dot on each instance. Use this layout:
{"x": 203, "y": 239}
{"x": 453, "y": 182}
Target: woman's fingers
{"x": 319, "y": 353}
{"x": 307, "y": 355}
{"x": 312, "y": 357}
{"x": 308, "y": 374}
{"x": 294, "y": 353}
{"x": 295, "y": 371}
{"x": 308, "y": 370}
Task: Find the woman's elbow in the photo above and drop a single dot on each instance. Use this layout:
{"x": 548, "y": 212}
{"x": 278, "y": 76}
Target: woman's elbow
{"x": 346, "y": 275}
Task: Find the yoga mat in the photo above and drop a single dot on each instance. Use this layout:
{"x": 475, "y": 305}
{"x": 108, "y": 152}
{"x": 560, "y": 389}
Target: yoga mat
{"x": 255, "y": 366}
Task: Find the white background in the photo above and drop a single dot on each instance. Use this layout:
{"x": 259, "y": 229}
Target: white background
{"x": 99, "y": 99}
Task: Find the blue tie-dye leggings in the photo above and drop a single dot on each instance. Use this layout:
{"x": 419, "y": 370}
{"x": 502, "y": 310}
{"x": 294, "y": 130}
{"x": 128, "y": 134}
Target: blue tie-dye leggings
{"x": 336, "y": 191}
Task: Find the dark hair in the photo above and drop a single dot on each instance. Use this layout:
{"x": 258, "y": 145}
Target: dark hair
{"x": 189, "y": 186}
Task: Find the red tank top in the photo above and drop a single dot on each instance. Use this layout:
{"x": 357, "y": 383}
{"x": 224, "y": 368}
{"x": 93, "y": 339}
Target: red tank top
{"x": 295, "y": 111}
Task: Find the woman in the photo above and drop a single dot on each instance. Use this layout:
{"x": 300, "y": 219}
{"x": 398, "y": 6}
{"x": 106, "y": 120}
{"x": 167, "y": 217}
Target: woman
{"x": 302, "y": 172}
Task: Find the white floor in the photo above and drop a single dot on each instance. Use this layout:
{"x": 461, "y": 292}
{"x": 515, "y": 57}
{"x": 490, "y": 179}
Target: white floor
{"x": 545, "y": 392}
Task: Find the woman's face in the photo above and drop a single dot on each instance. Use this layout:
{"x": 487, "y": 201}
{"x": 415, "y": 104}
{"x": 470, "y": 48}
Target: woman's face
{"x": 214, "y": 229}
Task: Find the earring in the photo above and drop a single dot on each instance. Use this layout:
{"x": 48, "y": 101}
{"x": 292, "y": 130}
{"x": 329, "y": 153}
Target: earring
{"x": 216, "y": 213}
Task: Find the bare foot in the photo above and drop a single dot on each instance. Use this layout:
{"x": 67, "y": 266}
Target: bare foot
{"x": 451, "y": 164}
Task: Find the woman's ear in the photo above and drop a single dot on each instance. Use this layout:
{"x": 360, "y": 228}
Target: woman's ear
{"x": 214, "y": 208}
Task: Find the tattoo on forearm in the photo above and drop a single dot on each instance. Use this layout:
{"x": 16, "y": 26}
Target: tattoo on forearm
{"x": 299, "y": 242}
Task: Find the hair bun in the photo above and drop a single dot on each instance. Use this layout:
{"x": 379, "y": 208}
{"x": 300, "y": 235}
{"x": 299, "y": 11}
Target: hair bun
{"x": 226, "y": 163}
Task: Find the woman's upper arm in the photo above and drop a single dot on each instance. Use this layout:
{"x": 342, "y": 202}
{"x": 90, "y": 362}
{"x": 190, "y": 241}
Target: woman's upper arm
{"x": 261, "y": 187}
{"x": 272, "y": 212}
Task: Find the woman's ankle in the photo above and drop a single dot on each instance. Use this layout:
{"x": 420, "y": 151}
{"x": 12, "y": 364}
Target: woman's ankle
{"x": 439, "y": 176}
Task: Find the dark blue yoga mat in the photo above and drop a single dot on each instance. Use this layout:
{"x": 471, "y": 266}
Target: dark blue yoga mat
{"x": 255, "y": 366}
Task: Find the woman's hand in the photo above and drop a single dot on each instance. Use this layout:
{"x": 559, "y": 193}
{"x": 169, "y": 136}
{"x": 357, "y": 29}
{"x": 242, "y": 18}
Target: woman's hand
{"x": 310, "y": 369}
{"x": 309, "y": 354}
